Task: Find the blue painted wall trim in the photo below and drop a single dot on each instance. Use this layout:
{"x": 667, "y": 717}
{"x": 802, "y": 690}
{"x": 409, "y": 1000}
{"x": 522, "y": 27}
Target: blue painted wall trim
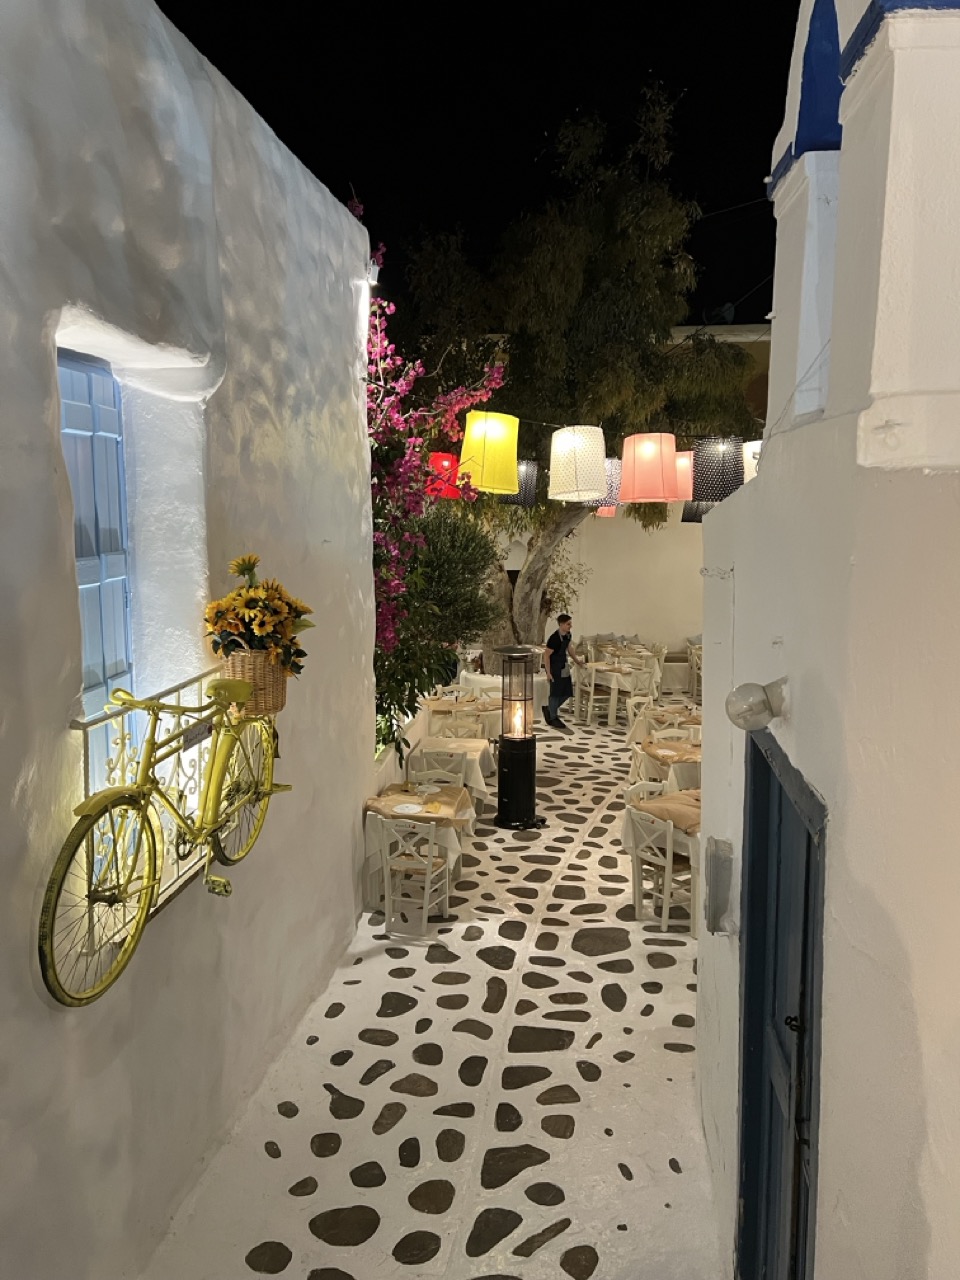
{"x": 818, "y": 117}
{"x": 866, "y": 29}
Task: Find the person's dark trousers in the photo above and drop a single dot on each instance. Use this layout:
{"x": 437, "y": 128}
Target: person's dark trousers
{"x": 555, "y": 702}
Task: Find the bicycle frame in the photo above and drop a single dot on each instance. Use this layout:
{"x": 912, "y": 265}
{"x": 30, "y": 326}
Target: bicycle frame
{"x": 153, "y": 795}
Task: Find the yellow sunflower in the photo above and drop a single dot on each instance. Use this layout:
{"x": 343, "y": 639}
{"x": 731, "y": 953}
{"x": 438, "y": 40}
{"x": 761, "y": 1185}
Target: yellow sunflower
{"x": 243, "y": 566}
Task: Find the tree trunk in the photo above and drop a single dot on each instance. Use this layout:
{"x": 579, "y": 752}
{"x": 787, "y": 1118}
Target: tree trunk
{"x": 503, "y": 632}
{"x": 528, "y": 594}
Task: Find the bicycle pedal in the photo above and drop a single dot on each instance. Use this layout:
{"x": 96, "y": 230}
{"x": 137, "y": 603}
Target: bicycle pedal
{"x": 281, "y": 786}
{"x": 219, "y": 885}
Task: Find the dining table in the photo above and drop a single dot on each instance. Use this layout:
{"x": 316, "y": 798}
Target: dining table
{"x": 449, "y": 806}
{"x": 664, "y": 718}
{"x": 485, "y": 707}
{"x": 494, "y": 684}
{"x": 677, "y": 760}
{"x": 479, "y": 759}
{"x": 617, "y": 678}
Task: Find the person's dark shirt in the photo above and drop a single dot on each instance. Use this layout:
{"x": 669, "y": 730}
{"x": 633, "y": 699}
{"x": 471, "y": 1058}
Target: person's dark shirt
{"x": 558, "y": 645}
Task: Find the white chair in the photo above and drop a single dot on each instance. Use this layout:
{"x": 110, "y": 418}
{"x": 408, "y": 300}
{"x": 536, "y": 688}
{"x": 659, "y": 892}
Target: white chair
{"x": 581, "y": 691}
{"x": 461, "y": 727}
{"x": 447, "y": 767}
{"x": 695, "y": 731}
{"x": 638, "y": 771}
{"x": 670, "y": 734}
{"x": 411, "y": 858}
{"x": 597, "y": 696}
{"x": 637, "y": 705}
{"x": 667, "y": 852}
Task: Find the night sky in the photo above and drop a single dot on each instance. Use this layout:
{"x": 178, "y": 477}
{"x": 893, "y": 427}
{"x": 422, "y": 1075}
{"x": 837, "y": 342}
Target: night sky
{"x": 442, "y": 121}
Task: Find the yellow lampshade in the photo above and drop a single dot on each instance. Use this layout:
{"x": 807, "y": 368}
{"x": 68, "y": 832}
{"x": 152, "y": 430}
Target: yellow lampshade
{"x": 489, "y": 451}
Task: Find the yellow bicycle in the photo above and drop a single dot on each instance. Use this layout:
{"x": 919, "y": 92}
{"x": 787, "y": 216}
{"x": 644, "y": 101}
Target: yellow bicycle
{"x": 107, "y": 876}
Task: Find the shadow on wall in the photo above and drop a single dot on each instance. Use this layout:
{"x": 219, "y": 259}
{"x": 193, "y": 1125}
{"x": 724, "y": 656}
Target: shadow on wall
{"x": 872, "y": 1220}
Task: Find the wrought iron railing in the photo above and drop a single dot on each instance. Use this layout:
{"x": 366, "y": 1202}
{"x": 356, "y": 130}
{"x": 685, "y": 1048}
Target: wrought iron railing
{"x": 111, "y": 758}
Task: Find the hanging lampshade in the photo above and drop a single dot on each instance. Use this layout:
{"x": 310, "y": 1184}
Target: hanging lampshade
{"x": 577, "y": 473}
{"x": 489, "y": 451}
{"x": 685, "y": 475}
{"x": 717, "y": 468}
{"x": 693, "y": 512}
{"x": 606, "y": 511}
{"x": 442, "y": 483}
{"x": 526, "y": 495}
{"x": 649, "y": 468}
{"x": 612, "y": 467}
{"x": 751, "y": 459}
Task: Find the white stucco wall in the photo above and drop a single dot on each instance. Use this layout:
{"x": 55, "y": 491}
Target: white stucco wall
{"x": 830, "y": 573}
{"x": 147, "y": 215}
{"x": 640, "y": 583}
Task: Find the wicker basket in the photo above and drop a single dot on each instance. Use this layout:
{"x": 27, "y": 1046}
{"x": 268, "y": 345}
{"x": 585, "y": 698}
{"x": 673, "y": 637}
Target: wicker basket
{"x": 269, "y": 682}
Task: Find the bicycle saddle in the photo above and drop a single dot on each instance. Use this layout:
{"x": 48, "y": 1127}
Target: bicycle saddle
{"x": 236, "y": 691}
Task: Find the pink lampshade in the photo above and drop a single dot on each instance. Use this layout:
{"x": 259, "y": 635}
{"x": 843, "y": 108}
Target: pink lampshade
{"x": 443, "y": 482}
{"x": 606, "y": 511}
{"x": 649, "y": 468}
{"x": 685, "y": 476}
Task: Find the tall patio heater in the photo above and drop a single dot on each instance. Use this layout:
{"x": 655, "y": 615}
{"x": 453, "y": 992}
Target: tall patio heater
{"x": 517, "y": 764}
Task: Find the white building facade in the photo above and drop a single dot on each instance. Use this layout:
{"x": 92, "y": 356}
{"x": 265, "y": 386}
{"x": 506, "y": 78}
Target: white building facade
{"x": 834, "y": 569}
{"x": 152, "y": 226}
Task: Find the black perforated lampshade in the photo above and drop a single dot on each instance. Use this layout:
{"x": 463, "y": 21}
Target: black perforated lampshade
{"x": 693, "y": 512}
{"x": 526, "y": 495}
{"x": 610, "y": 499}
{"x": 717, "y": 468}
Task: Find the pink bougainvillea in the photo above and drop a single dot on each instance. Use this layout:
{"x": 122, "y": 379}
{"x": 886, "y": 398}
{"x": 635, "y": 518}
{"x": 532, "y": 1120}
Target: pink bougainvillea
{"x": 401, "y": 439}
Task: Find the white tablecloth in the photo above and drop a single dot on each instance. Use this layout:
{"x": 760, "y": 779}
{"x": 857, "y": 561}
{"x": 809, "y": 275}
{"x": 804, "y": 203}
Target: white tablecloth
{"x": 541, "y": 686}
{"x": 490, "y": 721}
{"x": 480, "y": 762}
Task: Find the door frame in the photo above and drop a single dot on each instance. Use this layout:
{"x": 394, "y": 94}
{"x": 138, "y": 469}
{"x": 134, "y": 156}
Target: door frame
{"x": 763, "y": 752}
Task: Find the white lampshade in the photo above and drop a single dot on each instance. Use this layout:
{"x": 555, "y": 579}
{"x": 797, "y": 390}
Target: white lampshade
{"x": 577, "y": 471}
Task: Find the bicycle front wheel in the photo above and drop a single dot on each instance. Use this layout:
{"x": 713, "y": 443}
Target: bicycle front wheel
{"x": 245, "y": 793}
{"x": 97, "y": 900}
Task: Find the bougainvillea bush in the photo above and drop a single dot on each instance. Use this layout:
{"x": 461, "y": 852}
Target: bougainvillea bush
{"x": 415, "y": 635}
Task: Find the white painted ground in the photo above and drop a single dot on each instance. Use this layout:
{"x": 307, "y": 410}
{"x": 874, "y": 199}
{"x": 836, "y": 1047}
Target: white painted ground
{"x": 633, "y": 1174}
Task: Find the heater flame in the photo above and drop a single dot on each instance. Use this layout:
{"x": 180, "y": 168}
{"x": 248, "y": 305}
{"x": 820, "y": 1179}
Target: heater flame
{"x": 517, "y": 726}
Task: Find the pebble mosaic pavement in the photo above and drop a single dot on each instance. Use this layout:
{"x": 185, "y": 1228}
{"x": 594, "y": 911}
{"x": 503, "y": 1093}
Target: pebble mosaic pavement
{"x": 512, "y": 1098}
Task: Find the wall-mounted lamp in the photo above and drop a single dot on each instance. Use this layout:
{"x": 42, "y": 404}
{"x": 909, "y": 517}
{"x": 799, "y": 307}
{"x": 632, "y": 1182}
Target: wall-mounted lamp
{"x": 753, "y": 706}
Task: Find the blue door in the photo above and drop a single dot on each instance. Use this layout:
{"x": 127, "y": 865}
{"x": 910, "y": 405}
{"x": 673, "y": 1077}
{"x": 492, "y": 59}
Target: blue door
{"x": 781, "y": 966}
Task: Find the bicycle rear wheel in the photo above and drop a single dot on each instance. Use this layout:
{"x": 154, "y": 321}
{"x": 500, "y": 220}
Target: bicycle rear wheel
{"x": 246, "y": 790}
{"x": 97, "y": 900}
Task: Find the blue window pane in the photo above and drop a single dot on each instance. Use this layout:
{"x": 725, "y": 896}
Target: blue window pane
{"x": 91, "y": 433}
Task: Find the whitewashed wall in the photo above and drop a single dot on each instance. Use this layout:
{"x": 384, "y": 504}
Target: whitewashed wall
{"x": 640, "y": 583}
{"x": 149, "y": 217}
{"x": 833, "y": 574}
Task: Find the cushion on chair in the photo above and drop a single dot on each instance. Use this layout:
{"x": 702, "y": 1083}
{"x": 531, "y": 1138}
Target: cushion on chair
{"x": 682, "y": 808}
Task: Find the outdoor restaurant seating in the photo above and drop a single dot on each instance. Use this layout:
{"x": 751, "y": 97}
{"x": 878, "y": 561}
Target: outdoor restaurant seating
{"x": 411, "y": 860}
{"x": 661, "y": 835}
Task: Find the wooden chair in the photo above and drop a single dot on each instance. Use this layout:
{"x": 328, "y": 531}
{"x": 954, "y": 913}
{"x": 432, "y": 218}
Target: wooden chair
{"x": 459, "y": 726}
{"x": 447, "y": 767}
{"x": 667, "y": 852}
{"x": 597, "y": 696}
{"x": 410, "y": 857}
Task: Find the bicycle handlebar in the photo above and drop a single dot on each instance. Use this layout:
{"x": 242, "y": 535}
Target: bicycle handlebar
{"x": 123, "y": 698}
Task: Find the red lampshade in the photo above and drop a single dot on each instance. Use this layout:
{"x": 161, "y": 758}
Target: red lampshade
{"x": 685, "y": 476}
{"x": 443, "y": 483}
{"x": 649, "y": 468}
{"x": 606, "y": 511}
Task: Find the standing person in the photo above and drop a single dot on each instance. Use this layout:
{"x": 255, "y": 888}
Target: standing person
{"x": 556, "y": 658}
